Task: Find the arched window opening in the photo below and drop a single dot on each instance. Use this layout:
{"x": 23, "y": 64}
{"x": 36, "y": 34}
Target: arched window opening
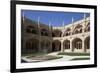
{"x": 87, "y": 43}
{"x": 32, "y": 45}
{"x": 45, "y": 45}
{"x": 66, "y": 44}
{"x": 56, "y": 45}
{"x": 77, "y": 43}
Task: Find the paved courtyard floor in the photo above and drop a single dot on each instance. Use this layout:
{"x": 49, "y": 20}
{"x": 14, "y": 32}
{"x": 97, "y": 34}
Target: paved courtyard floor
{"x": 64, "y": 58}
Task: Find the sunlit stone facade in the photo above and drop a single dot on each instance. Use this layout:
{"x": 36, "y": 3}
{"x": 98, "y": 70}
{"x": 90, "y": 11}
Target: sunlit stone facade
{"x": 38, "y": 37}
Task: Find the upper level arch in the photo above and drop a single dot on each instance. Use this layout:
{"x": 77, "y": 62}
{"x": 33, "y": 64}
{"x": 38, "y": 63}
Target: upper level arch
{"x": 56, "y": 33}
{"x": 44, "y": 32}
{"x": 77, "y": 29}
{"x": 87, "y": 28}
{"x": 67, "y": 32}
{"x": 32, "y": 29}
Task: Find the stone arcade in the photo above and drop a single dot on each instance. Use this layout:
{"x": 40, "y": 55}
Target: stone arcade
{"x": 38, "y": 37}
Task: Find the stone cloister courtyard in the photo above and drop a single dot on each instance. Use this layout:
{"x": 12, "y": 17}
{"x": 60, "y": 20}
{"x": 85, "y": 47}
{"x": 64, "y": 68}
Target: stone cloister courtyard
{"x": 42, "y": 42}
